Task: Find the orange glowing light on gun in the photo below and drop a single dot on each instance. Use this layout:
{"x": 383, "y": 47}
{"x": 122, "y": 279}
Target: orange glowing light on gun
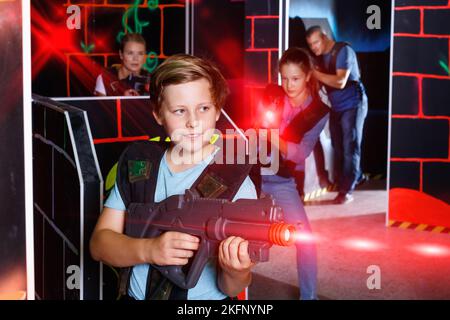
{"x": 282, "y": 234}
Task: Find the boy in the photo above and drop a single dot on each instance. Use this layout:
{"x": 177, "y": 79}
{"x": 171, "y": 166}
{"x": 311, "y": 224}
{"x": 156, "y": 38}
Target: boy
{"x": 187, "y": 94}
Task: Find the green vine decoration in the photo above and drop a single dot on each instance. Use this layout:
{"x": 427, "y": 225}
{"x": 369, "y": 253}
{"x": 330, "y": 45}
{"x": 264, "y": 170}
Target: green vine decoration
{"x": 132, "y": 15}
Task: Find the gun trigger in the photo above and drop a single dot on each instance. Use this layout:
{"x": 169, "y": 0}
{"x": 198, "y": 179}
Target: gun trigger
{"x": 259, "y": 251}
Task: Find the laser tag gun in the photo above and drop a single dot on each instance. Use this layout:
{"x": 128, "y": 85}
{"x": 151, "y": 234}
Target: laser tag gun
{"x": 211, "y": 220}
{"x": 140, "y": 83}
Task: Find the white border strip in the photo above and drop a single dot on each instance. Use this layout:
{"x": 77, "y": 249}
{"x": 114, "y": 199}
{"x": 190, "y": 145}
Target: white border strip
{"x": 391, "y": 80}
{"x": 101, "y": 193}
{"x": 97, "y": 166}
{"x": 283, "y": 29}
{"x": 238, "y": 130}
{"x": 80, "y": 177}
{"x": 280, "y": 34}
{"x": 286, "y": 24}
{"x": 100, "y": 98}
{"x": 186, "y": 26}
{"x": 28, "y": 148}
{"x": 192, "y": 26}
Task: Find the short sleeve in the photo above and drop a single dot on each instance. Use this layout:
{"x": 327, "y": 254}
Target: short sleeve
{"x": 345, "y": 58}
{"x": 114, "y": 200}
{"x": 246, "y": 191}
{"x": 100, "y": 85}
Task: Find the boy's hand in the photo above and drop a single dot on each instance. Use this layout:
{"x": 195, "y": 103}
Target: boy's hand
{"x": 172, "y": 248}
{"x": 233, "y": 256}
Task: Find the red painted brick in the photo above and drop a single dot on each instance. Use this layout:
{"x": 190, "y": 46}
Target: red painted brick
{"x": 403, "y": 3}
{"x": 419, "y": 55}
{"x": 407, "y": 21}
{"x": 437, "y": 22}
{"x": 436, "y": 97}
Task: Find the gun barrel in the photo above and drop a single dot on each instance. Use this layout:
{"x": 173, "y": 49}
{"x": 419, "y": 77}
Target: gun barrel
{"x": 258, "y": 211}
{"x": 281, "y": 234}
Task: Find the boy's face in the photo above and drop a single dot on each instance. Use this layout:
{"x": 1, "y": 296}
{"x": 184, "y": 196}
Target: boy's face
{"x": 188, "y": 114}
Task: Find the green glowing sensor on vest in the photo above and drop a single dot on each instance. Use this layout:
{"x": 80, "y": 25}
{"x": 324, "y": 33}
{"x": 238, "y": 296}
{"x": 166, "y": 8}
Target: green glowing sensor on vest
{"x": 138, "y": 170}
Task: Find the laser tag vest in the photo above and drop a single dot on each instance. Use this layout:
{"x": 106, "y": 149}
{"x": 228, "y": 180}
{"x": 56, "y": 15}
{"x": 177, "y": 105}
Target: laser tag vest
{"x": 303, "y": 122}
{"x": 117, "y": 87}
{"x": 331, "y": 67}
{"x": 137, "y": 176}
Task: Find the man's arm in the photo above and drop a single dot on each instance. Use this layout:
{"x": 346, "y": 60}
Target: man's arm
{"x": 345, "y": 61}
{"x": 338, "y": 81}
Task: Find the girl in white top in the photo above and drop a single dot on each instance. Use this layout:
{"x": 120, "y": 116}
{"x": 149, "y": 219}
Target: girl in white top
{"x": 116, "y": 81}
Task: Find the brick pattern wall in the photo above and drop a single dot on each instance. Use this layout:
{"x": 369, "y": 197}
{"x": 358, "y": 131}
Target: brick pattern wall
{"x": 261, "y": 47}
{"x": 161, "y": 22}
{"x": 420, "y": 138}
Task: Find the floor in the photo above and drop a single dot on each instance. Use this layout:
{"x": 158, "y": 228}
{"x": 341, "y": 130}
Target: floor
{"x": 360, "y": 258}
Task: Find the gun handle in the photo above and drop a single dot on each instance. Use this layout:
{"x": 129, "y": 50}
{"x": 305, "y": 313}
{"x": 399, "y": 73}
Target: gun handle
{"x": 259, "y": 251}
{"x": 189, "y": 280}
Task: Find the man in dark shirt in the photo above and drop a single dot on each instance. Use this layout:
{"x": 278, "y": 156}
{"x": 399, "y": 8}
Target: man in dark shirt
{"x": 339, "y": 73}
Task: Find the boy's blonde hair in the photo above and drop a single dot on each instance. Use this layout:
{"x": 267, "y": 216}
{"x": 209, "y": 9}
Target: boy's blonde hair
{"x": 183, "y": 68}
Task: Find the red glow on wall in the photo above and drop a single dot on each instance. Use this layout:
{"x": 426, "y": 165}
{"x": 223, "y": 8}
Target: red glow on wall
{"x": 51, "y": 39}
{"x": 228, "y": 51}
{"x": 205, "y": 13}
{"x": 102, "y": 44}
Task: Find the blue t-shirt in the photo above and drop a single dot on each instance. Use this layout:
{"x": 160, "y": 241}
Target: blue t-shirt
{"x": 350, "y": 96}
{"x": 170, "y": 183}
